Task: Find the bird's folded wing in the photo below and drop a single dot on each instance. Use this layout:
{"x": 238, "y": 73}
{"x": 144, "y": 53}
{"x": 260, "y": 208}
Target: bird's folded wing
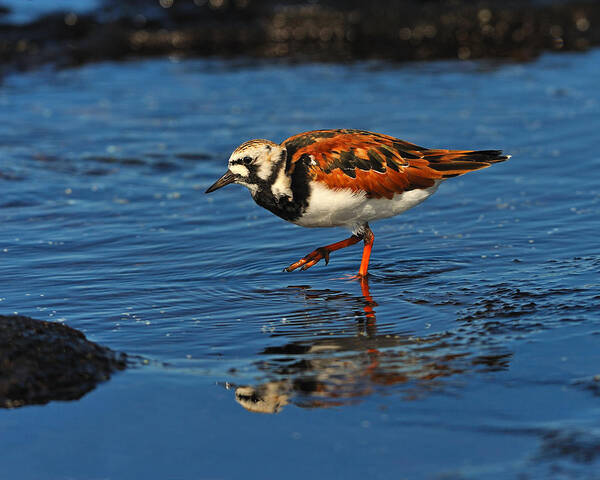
{"x": 378, "y": 165}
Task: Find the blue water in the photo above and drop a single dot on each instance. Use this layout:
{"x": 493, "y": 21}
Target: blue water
{"x": 472, "y": 353}
{"x": 22, "y": 11}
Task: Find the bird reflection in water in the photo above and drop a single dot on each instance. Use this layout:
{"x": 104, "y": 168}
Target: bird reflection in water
{"x": 332, "y": 366}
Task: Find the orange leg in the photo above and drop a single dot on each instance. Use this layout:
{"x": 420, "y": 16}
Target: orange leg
{"x": 369, "y": 302}
{"x": 322, "y": 252}
{"x": 364, "y": 264}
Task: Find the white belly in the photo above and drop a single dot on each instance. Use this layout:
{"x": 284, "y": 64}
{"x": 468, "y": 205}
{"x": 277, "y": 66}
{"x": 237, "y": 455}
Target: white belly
{"x": 344, "y": 208}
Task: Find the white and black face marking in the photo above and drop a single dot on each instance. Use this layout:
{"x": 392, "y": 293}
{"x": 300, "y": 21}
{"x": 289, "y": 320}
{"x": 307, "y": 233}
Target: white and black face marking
{"x": 255, "y": 164}
{"x": 260, "y": 165}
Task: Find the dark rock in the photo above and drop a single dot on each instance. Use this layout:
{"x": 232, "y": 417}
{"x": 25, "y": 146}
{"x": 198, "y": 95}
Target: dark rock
{"x": 43, "y": 361}
{"x": 325, "y": 30}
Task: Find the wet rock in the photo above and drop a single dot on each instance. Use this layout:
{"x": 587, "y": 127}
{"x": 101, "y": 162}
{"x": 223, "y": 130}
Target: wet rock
{"x": 325, "y": 30}
{"x": 43, "y": 361}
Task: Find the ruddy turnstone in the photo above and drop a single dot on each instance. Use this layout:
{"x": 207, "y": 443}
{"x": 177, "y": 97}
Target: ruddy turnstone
{"x": 344, "y": 178}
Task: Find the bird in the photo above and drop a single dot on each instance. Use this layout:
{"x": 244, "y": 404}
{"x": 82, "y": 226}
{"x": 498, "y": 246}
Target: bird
{"x": 344, "y": 178}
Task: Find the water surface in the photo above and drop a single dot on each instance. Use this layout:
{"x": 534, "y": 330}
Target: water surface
{"x": 472, "y": 352}
{"x": 23, "y": 11}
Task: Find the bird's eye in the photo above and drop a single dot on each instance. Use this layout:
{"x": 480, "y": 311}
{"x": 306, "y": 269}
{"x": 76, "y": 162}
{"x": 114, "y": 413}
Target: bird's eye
{"x": 247, "y": 160}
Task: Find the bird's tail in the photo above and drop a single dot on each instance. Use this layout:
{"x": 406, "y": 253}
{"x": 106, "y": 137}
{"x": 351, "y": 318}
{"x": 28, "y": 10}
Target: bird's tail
{"x": 451, "y": 163}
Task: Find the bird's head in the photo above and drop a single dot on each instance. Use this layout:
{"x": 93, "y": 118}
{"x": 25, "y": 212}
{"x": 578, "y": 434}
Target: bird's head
{"x": 253, "y": 164}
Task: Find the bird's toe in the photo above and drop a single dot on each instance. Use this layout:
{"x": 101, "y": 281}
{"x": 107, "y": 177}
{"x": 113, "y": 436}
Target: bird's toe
{"x": 309, "y": 260}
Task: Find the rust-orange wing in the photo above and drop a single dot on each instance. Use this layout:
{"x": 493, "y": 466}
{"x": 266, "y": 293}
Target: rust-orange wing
{"x": 376, "y": 164}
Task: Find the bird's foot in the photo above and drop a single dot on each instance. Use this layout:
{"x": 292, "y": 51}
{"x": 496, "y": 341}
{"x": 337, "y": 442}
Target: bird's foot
{"x": 358, "y": 277}
{"x": 311, "y": 259}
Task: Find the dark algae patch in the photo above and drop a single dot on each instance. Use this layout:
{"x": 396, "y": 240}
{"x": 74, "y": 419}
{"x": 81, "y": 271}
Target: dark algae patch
{"x": 325, "y": 30}
{"x": 43, "y": 361}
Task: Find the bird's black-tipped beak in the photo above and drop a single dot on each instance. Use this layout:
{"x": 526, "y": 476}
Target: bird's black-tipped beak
{"x": 226, "y": 179}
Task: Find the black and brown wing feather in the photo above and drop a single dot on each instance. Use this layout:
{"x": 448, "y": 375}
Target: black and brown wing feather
{"x": 379, "y": 165}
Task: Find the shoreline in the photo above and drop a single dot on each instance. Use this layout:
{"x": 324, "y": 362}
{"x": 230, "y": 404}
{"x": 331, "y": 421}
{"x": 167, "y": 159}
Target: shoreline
{"x": 326, "y": 31}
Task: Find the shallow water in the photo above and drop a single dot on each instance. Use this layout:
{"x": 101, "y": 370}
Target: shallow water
{"x": 470, "y": 354}
{"x": 23, "y": 11}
